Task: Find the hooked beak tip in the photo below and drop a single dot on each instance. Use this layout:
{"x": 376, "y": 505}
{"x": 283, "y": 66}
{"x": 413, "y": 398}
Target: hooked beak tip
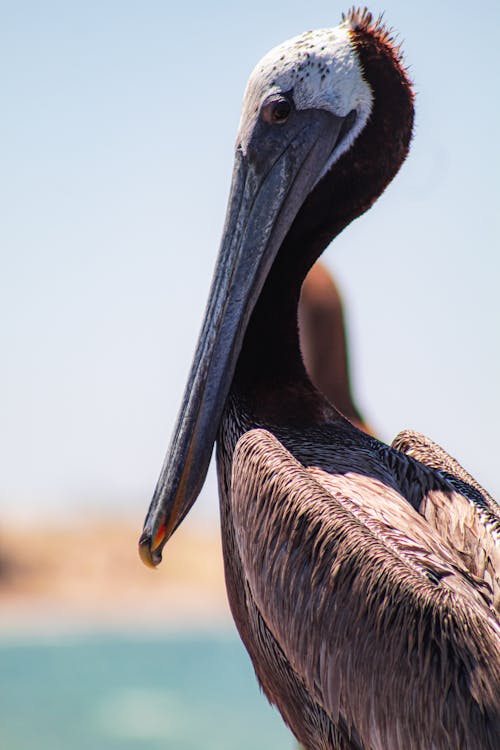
{"x": 149, "y": 554}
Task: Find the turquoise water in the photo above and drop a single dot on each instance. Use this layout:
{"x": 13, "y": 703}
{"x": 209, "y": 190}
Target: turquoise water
{"x": 182, "y": 692}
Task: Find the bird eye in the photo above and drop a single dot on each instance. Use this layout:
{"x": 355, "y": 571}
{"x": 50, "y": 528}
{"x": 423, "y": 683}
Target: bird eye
{"x": 276, "y": 111}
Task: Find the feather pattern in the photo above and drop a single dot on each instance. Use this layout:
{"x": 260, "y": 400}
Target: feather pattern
{"x": 347, "y": 597}
{"x": 354, "y": 600}
{"x": 468, "y": 518}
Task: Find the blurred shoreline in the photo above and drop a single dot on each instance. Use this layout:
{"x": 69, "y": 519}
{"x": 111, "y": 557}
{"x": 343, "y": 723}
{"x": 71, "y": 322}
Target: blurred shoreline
{"x": 86, "y": 576}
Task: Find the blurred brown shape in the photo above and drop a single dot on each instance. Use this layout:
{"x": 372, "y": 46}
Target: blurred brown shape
{"x": 323, "y": 342}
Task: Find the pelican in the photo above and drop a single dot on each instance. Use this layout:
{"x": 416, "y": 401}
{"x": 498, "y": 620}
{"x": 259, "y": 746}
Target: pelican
{"x": 363, "y": 578}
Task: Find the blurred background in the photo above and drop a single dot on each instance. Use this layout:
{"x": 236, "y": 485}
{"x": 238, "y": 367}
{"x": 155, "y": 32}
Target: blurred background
{"x": 117, "y": 132}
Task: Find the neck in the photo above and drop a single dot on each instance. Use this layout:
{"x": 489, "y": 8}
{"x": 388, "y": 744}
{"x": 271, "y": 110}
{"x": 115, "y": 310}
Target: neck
{"x": 271, "y": 350}
{"x": 270, "y": 373}
{"x": 270, "y": 368}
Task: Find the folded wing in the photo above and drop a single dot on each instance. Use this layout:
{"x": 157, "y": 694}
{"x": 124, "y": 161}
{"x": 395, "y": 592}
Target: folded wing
{"x": 468, "y": 518}
{"x": 389, "y": 631}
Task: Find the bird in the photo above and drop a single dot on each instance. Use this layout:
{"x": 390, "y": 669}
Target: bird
{"x": 323, "y": 342}
{"x": 363, "y": 578}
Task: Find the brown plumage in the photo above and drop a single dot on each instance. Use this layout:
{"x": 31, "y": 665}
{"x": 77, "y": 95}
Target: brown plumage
{"x": 362, "y": 577}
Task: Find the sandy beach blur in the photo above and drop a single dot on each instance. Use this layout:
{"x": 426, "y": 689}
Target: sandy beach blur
{"x": 99, "y": 652}
{"x": 87, "y": 575}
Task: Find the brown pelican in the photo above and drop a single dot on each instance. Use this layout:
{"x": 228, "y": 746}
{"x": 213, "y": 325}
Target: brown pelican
{"x": 362, "y": 577}
{"x": 323, "y": 341}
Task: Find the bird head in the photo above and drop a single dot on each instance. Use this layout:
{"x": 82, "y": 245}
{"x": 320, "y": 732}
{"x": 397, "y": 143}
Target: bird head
{"x": 326, "y": 123}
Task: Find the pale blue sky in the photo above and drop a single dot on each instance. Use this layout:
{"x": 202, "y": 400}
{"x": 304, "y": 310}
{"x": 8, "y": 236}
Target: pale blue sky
{"x": 117, "y": 130}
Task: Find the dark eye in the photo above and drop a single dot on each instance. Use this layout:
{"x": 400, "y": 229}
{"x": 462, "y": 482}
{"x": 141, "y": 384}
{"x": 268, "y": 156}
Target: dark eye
{"x": 276, "y": 111}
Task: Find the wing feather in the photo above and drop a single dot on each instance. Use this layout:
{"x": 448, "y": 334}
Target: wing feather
{"x": 377, "y": 625}
{"x": 467, "y": 516}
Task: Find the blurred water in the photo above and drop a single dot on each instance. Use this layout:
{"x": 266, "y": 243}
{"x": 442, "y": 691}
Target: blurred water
{"x": 182, "y": 692}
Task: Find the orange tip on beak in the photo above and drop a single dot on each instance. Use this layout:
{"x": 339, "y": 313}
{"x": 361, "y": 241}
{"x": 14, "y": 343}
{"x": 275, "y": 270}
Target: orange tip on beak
{"x": 148, "y": 549}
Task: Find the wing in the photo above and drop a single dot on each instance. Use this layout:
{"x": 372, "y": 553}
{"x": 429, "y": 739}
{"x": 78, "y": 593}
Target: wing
{"x": 390, "y": 638}
{"x": 431, "y": 454}
{"x": 468, "y": 518}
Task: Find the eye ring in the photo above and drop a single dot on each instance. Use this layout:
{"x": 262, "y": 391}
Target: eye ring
{"x": 277, "y": 110}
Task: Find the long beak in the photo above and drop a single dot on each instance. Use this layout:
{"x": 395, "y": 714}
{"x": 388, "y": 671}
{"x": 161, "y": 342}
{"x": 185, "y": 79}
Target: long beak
{"x": 269, "y": 186}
